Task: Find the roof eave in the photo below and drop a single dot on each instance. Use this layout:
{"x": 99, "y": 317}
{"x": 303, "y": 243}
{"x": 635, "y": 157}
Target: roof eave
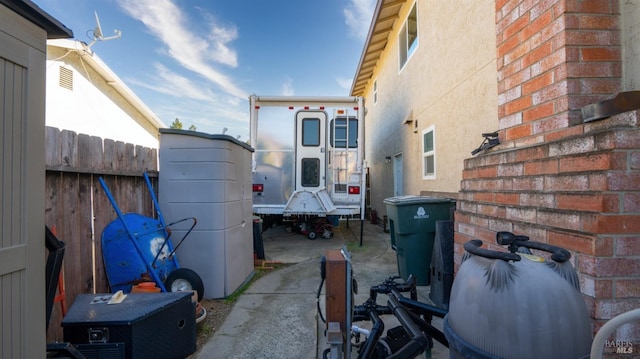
{"x": 357, "y": 87}
{"x": 32, "y": 12}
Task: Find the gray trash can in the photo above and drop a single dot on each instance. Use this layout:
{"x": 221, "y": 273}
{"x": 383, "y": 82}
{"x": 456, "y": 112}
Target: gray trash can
{"x": 412, "y": 225}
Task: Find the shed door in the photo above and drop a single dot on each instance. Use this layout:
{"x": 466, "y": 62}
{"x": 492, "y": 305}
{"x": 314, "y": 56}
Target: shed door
{"x": 310, "y": 150}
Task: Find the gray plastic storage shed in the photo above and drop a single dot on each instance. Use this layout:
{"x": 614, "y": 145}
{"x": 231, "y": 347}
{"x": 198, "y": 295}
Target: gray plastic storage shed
{"x": 209, "y": 177}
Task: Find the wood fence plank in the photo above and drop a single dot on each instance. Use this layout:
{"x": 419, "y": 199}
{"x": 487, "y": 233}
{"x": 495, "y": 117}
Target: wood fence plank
{"x": 69, "y": 148}
{"x": 71, "y": 178}
{"x": 53, "y": 151}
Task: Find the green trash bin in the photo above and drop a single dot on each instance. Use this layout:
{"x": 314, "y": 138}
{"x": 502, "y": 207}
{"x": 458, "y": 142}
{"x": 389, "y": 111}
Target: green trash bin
{"x": 412, "y": 225}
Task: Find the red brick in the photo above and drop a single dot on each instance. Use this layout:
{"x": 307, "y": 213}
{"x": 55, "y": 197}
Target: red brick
{"x": 609, "y": 308}
{"x": 600, "y": 85}
{"x": 538, "y": 112}
{"x": 629, "y": 139}
{"x": 580, "y": 202}
{"x": 484, "y": 197}
{"x": 631, "y": 202}
{"x": 537, "y": 83}
{"x": 572, "y": 146}
{"x": 518, "y": 132}
{"x": 608, "y": 267}
{"x": 528, "y": 183}
{"x": 507, "y": 46}
{"x": 480, "y": 222}
{"x": 541, "y": 167}
{"x": 539, "y": 200}
{"x": 626, "y": 288}
{"x": 500, "y": 4}
{"x": 521, "y": 214}
{"x": 574, "y": 182}
{"x": 550, "y": 124}
{"x": 590, "y": 38}
{"x": 598, "y": 21}
{"x": 517, "y": 78}
{"x": 598, "y": 181}
{"x": 590, "y": 69}
{"x": 562, "y": 220}
{"x": 487, "y": 172}
{"x": 627, "y": 245}
{"x": 604, "y": 288}
{"x": 532, "y": 153}
{"x": 537, "y": 54}
{"x": 506, "y": 198}
{"x": 510, "y": 170}
{"x": 469, "y": 173}
{"x": 516, "y": 26}
{"x": 617, "y": 224}
{"x": 563, "y": 133}
{"x": 604, "y": 246}
{"x": 589, "y": 6}
{"x": 623, "y": 181}
{"x": 635, "y": 161}
{"x": 586, "y": 162}
{"x": 572, "y": 242}
{"x": 600, "y": 54}
{"x": 537, "y": 25}
{"x": 551, "y": 92}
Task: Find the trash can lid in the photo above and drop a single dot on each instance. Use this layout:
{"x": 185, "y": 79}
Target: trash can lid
{"x": 412, "y": 199}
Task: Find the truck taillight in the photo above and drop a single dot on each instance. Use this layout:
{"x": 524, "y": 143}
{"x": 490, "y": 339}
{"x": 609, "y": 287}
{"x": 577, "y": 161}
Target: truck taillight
{"x": 258, "y": 187}
{"x": 354, "y": 190}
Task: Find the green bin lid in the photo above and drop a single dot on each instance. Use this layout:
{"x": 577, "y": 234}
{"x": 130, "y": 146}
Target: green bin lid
{"x": 412, "y": 199}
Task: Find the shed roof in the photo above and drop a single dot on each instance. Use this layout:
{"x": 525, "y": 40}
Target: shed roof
{"x": 384, "y": 17}
{"x": 32, "y": 12}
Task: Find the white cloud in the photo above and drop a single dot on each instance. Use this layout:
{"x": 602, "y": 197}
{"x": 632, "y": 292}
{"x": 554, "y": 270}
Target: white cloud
{"x": 169, "y": 24}
{"x": 358, "y": 15}
{"x": 287, "y": 88}
{"x": 344, "y": 82}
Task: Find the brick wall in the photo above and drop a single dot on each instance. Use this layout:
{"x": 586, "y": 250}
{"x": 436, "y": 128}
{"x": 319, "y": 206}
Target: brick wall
{"x": 554, "y": 178}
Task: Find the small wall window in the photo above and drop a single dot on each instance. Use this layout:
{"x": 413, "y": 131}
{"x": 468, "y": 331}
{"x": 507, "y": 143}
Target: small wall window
{"x": 375, "y": 91}
{"x": 429, "y": 153}
{"x": 408, "y": 37}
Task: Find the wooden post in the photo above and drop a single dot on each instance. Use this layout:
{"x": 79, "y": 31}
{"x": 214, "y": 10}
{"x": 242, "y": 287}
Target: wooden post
{"x": 336, "y": 290}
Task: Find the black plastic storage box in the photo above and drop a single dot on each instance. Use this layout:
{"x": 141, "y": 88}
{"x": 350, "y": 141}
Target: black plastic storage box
{"x": 151, "y": 325}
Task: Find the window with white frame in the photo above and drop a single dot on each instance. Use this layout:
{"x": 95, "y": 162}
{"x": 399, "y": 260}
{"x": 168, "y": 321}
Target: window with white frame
{"x": 408, "y": 37}
{"x": 375, "y": 91}
{"x": 429, "y": 153}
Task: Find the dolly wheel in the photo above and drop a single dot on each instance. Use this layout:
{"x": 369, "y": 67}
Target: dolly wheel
{"x": 311, "y": 235}
{"x": 183, "y": 279}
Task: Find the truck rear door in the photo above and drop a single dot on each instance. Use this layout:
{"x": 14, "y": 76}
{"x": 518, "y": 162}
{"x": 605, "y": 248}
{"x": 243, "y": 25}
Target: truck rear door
{"x": 310, "y": 154}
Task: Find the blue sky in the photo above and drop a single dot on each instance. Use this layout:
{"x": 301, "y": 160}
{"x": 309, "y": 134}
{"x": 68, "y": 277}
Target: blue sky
{"x": 199, "y": 60}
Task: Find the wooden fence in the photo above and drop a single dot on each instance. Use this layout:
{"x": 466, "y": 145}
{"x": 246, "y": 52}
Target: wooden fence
{"x": 77, "y": 208}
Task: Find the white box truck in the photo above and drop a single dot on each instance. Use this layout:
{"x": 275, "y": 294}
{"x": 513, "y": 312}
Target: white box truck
{"x": 308, "y": 165}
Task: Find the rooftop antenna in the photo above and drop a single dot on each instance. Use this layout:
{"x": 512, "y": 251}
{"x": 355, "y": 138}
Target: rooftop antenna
{"x": 97, "y": 33}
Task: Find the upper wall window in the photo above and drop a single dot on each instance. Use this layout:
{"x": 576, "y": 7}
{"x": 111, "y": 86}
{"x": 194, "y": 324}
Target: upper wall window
{"x": 408, "y": 37}
{"x": 375, "y": 91}
{"x": 428, "y": 154}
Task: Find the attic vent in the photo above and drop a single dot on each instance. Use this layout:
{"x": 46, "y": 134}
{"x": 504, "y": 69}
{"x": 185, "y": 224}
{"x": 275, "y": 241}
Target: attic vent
{"x": 66, "y": 78}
